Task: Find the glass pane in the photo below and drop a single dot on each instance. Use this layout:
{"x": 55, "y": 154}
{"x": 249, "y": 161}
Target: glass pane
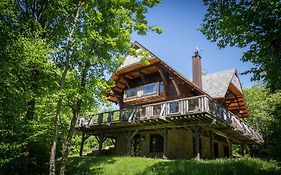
{"x": 156, "y": 109}
{"x": 156, "y": 143}
{"x": 161, "y": 87}
{"x": 150, "y": 88}
{"x": 174, "y": 107}
{"x": 131, "y": 92}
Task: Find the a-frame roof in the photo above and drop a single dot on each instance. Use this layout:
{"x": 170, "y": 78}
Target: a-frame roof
{"x": 220, "y": 85}
{"x": 132, "y": 61}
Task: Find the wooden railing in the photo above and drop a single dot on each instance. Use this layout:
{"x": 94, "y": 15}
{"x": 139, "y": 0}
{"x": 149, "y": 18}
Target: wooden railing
{"x": 167, "y": 109}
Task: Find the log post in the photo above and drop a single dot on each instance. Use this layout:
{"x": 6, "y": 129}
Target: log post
{"x": 82, "y": 144}
{"x": 251, "y": 150}
{"x": 196, "y": 134}
{"x": 242, "y": 149}
{"x": 165, "y": 139}
{"x": 130, "y": 137}
{"x": 229, "y": 147}
{"x": 100, "y": 140}
{"x": 211, "y": 138}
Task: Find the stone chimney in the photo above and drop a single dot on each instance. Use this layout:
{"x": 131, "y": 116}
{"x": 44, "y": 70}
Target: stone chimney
{"x": 197, "y": 70}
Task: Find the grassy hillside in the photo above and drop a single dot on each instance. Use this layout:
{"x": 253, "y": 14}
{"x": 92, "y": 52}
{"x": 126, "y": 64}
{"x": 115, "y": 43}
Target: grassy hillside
{"x": 143, "y": 166}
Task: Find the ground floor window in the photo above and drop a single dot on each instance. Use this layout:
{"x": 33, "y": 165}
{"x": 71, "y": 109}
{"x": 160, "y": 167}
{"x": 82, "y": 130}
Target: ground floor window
{"x": 156, "y": 143}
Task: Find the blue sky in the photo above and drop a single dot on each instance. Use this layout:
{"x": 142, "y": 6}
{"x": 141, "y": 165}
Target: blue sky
{"x": 179, "y": 20}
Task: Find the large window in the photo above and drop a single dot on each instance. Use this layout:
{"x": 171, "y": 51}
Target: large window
{"x": 156, "y": 143}
{"x": 150, "y": 88}
{"x": 132, "y": 92}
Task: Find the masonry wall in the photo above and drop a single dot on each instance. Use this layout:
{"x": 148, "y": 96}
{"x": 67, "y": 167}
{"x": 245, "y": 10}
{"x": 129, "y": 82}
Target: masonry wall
{"x": 179, "y": 145}
{"x": 121, "y": 145}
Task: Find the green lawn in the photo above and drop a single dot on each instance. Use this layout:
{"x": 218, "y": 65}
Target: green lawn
{"x": 143, "y": 166}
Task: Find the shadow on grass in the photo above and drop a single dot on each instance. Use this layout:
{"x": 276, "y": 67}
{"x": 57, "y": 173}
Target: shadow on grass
{"x": 214, "y": 167}
{"x": 87, "y": 165}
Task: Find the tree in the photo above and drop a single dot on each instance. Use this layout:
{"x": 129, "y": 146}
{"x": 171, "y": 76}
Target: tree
{"x": 26, "y": 75}
{"x": 73, "y": 46}
{"x": 251, "y": 24}
{"x": 264, "y": 108}
{"x": 101, "y": 42}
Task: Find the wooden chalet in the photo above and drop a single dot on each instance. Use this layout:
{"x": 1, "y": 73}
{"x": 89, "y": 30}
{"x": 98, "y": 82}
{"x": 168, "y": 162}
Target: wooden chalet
{"x": 163, "y": 113}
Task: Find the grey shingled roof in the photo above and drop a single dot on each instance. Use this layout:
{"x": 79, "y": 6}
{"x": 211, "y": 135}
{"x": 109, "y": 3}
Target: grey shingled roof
{"x": 216, "y": 84}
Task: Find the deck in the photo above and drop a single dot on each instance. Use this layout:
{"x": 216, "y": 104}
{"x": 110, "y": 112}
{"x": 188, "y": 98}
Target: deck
{"x": 198, "y": 111}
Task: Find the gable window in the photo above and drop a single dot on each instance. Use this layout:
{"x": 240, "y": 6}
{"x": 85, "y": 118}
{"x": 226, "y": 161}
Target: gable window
{"x": 156, "y": 143}
{"x": 150, "y": 88}
{"x": 174, "y": 107}
{"x": 132, "y": 92}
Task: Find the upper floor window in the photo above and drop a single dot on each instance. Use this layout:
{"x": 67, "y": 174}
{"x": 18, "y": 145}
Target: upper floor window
{"x": 150, "y": 88}
{"x": 132, "y": 92}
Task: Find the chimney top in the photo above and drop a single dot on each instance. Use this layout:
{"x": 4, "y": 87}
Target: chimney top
{"x": 196, "y": 69}
{"x": 196, "y": 53}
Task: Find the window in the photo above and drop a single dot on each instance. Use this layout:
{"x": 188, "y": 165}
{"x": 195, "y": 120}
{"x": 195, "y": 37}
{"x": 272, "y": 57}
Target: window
{"x": 161, "y": 88}
{"x": 156, "y": 143}
{"x": 131, "y": 92}
{"x": 174, "y": 107}
{"x": 150, "y": 88}
{"x": 156, "y": 109}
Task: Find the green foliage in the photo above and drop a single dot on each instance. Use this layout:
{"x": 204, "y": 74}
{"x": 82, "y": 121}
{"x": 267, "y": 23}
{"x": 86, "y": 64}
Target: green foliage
{"x": 252, "y": 24}
{"x": 265, "y": 116}
{"x": 39, "y": 41}
{"x": 134, "y": 165}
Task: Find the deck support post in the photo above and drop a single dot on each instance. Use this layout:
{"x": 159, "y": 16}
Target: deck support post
{"x": 242, "y": 149}
{"x": 165, "y": 139}
{"x": 130, "y": 137}
{"x": 82, "y": 144}
{"x": 84, "y": 138}
{"x": 251, "y": 150}
{"x": 100, "y": 140}
{"x": 229, "y": 147}
{"x": 211, "y": 138}
{"x": 196, "y": 135}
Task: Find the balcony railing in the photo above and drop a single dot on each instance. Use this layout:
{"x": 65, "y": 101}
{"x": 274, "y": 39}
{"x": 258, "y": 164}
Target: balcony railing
{"x": 164, "y": 110}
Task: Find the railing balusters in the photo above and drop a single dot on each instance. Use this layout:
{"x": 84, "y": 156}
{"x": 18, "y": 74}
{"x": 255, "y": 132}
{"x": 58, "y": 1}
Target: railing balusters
{"x": 185, "y": 105}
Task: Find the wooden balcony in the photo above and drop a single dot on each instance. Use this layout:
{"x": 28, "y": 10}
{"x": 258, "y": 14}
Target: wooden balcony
{"x": 187, "y": 112}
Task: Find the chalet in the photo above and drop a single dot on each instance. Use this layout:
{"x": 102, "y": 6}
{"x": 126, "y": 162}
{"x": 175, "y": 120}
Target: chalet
{"x": 165, "y": 114}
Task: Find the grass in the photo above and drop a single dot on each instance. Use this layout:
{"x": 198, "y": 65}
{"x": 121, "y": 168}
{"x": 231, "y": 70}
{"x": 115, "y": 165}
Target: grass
{"x": 143, "y": 166}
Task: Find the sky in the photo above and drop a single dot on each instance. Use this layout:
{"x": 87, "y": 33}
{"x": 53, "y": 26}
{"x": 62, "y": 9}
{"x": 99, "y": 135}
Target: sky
{"x": 179, "y": 20}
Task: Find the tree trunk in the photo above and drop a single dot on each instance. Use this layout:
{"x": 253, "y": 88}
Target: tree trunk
{"x": 52, "y": 167}
{"x": 76, "y": 113}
